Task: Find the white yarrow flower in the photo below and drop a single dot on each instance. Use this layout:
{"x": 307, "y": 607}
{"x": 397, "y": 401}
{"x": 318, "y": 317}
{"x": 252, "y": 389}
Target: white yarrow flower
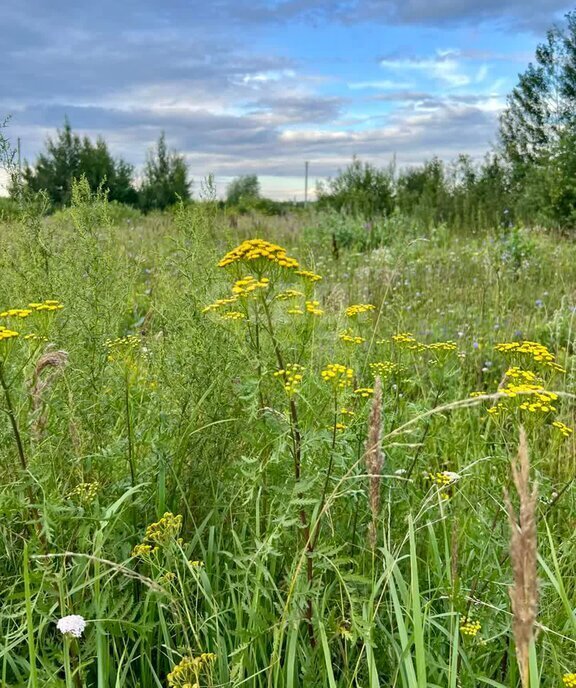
{"x": 72, "y": 625}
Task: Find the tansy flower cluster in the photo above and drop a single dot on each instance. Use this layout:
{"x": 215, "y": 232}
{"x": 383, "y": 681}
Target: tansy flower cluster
{"x": 350, "y": 338}
{"x": 313, "y": 309}
{"x": 339, "y": 375}
{"x": 219, "y": 303}
{"x": 383, "y": 368}
{"x": 569, "y": 680}
{"x": 291, "y": 377}
{"x": 186, "y": 674}
{"x": 364, "y": 392}
{"x": 255, "y": 249}
{"x": 86, "y": 492}
{"x": 532, "y": 350}
{"x": 358, "y": 308}
{"x": 160, "y": 534}
{"x": 48, "y": 305}
{"x": 247, "y": 285}
{"x": 289, "y": 294}
{"x": 407, "y": 341}
{"x": 5, "y": 333}
{"x": 469, "y": 627}
{"x": 564, "y": 429}
{"x": 234, "y": 315}
{"x": 122, "y": 347}
{"x": 307, "y": 275}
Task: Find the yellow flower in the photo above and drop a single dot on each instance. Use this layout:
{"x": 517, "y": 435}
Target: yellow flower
{"x": 7, "y": 334}
{"x": 537, "y": 352}
{"x": 312, "y": 308}
{"x": 364, "y": 392}
{"x": 569, "y": 680}
{"x": 291, "y": 377}
{"x": 358, "y": 308}
{"x": 247, "y": 285}
{"x": 338, "y": 375}
{"x": 564, "y": 429}
{"x": 258, "y": 249}
{"x": 469, "y": 627}
{"x": 310, "y": 276}
{"x": 350, "y": 338}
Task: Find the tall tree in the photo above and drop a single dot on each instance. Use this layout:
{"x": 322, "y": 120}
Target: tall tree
{"x": 165, "y": 178}
{"x": 542, "y": 106}
{"x": 68, "y": 157}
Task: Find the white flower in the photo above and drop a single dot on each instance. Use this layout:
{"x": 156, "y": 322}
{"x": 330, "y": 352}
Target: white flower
{"x": 72, "y": 625}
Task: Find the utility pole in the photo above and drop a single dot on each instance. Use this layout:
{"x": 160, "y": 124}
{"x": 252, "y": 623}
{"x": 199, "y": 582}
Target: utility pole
{"x": 306, "y": 165}
{"x": 19, "y": 149}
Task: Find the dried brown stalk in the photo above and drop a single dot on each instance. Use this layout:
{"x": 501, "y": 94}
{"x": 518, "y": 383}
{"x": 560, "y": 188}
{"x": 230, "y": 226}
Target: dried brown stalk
{"x": 523, "y": 555}
{"x": 48, "y": 367}
{"x": 374, "y": 459}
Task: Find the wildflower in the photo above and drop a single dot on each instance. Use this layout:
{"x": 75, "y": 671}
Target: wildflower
{"x": 122, "y": 348}
{"x": 310, "y": 276}
{"x": 539, "y": 353}
{"x": 364, "y": 392}
{"x": 383, "y": 368}
{"x": 443, "y": 478}
{"x": 196, "y": 564}
{"x": 5, "y": 333}
{"x": 247, "y": 285}
{"x": 295, "y": 311}
{"x": 86, "y": 492}
{"x": 234, "y": 315}
{"x": 16, "y": 313}
{"x": 564, "y": 429}
{"x": 289, "y": 294}
{"x": 72, "y": 625}
{"x": 258, "y": 249}
{"x": 347, "y": 412}
{"x": 291, "y": 377}
{"x": 407, "y": 341}
{"x": 339, "y": 426}
{"x": 442, "y": 346}
{"x": 312, "y": 308}
{"x": 349, "y": 338}
{"x": 339, "y": 375}
{"x": 569, "y": 680}
{"x": 469, "y": 627}
{"x": 358, "y": 308}
{"x": 165, "y": 530}
{"x": 220, "y": 303}
{"x": 143, "y": 550}
{"x": 186, "y": 674}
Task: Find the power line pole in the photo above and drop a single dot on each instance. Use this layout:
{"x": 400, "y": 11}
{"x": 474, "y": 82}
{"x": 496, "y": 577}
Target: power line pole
{"x": 306, "y": 165}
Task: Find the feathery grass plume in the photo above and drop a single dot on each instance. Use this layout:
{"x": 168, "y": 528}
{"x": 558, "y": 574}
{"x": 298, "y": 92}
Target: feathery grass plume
{"x": 523, "y": 554}
{"x": 374, "y": 458}
{"x": 53, "y": 362}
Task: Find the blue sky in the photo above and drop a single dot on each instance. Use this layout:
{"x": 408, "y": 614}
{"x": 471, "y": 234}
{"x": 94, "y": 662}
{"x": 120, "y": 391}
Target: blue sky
{"x": 259, "y": 87}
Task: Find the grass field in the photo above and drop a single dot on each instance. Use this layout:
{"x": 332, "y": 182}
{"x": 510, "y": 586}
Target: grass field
{"x": 191, "y": 459}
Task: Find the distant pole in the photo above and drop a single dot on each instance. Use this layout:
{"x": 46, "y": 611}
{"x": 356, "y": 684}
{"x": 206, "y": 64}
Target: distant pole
{"x": 306, "y": 165}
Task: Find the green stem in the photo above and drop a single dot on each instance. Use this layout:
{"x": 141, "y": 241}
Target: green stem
{"x": 33, "y": 679}
{"x": 13, "y": 420}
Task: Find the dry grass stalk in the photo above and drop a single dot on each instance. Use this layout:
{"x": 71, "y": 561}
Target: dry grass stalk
{"x": 48, "y": 367}
{"x": 523, "y": 554}
{"x": 374, "y": 458}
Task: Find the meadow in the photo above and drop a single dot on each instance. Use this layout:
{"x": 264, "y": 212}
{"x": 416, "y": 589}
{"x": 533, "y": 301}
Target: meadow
{"x": 275, "y": 452}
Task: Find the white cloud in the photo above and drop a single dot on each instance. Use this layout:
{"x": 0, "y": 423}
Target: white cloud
{"x": 443, "y": 67}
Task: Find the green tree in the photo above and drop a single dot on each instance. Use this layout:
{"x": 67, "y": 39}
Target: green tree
{"x": 165, "y": 178}
{"x": 243, "y": 189}
{"x": 360, "y": 189}
{"x": 542, "y": 106}
{"x": 68, "y": 157}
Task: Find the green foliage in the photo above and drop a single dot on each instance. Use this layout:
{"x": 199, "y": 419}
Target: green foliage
{"x": 131, "y": 402}
{"x": 360, "y": 189}
{"x": 542, "y": 106}
{"x": 165, "y": 178}
{"x": 67, "y": 158}
{"x": 243, "y": 191}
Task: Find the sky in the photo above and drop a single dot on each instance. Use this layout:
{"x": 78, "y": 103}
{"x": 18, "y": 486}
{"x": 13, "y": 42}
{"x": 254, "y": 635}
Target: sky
{"x": 261, "y": 86}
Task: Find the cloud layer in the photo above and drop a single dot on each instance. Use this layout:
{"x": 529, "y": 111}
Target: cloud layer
{"x": 262, "y": 86}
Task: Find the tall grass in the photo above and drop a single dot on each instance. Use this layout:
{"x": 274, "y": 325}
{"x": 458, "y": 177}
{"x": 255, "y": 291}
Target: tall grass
{"x": 296, "y": 561}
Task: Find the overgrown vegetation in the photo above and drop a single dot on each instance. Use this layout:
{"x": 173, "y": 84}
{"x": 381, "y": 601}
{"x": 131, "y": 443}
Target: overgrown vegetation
{"x": 197, "y": 464}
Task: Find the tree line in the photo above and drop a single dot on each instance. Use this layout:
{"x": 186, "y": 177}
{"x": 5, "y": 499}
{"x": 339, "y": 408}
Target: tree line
{"x": 529, "y": 177}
